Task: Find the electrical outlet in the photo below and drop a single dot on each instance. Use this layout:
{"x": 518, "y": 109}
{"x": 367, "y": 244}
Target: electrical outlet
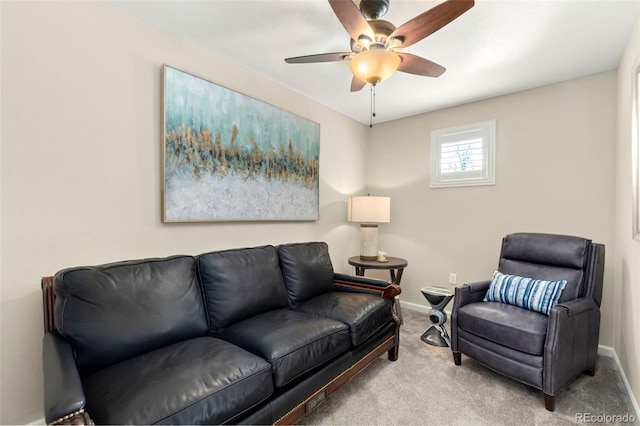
{"x": 453, "y": 278}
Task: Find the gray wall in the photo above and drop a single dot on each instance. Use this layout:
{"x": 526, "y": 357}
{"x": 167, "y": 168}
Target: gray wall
{"x": 81, "y": 154}
{"x": 627, "y": 250}
{"x": 555, "y": 172}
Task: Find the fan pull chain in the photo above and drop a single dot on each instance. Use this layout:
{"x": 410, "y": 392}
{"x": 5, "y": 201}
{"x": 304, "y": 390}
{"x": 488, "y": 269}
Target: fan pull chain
{"x": 373, "y": 104}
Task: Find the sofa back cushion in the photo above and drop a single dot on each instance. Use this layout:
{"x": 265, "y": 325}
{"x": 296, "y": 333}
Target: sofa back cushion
{"x": 307, "y": 270}
{"x": 241, "y": 283}
{"x": 116, "y": 311}
{"x": 547, "y": 257}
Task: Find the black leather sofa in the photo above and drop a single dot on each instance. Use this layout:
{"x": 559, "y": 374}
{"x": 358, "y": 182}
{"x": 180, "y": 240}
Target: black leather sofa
{"x": 255, "y": 336}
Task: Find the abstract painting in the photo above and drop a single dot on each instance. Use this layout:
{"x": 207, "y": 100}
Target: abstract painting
{"x": 230, "y": 157}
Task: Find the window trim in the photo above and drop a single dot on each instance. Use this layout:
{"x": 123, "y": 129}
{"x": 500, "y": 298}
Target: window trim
{"x": 635, "y": 149}
{"x": 487, "y": 175}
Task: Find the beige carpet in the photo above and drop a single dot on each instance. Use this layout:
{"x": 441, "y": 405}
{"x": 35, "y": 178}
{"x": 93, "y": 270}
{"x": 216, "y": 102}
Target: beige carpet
{"x": 424, "y": 387}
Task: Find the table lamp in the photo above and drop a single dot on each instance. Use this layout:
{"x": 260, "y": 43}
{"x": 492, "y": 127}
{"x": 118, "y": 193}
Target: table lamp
{"x": 369, "y": 211}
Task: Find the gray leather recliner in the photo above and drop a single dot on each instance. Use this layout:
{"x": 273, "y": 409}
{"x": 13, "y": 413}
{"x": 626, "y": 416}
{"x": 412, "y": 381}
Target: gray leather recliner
{"x": 542, "y": 351}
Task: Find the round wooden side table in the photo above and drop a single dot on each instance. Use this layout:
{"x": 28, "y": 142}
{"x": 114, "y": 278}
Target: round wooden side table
{"x": 395, "y": 266}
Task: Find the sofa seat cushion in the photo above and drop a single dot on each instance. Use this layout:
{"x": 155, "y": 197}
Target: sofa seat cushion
{"x": 365, "y": 314}
{"x": 507, "y": 325}
{"x": 199, "y": 381}
{"x": 293, "y": 342}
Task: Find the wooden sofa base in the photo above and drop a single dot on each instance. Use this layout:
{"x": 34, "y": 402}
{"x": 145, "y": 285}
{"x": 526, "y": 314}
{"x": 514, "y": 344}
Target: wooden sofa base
{"x": 78, "y": 418}
{"x": 318, "y": 398}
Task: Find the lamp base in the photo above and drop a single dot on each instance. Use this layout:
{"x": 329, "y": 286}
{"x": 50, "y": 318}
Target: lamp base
{"x": 368, "y": 241}
{"x": 368, "y": 257}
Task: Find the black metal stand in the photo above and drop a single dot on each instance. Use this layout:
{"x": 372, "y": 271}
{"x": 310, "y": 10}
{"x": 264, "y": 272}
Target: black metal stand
{"x": 437, "y": 334}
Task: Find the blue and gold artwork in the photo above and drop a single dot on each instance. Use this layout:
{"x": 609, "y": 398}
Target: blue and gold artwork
{"x": 229, "y": 157}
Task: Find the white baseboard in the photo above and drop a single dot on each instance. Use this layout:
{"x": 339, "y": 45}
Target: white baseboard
{"x": 37, "y": 422}
{"x": 414, "y": 307}
{"x": 607, "y": 351}
{"x": 420, "y": 308}
{"x": 611, "y": 353}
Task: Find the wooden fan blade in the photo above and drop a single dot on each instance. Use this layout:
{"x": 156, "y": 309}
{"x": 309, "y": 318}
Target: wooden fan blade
{"x": 351, "y": 19}
{"x": 357, "y": 84}
{"x": 413, "y": 64}
{"x": 322, "y": 57}
{"x": 430, "y": 21}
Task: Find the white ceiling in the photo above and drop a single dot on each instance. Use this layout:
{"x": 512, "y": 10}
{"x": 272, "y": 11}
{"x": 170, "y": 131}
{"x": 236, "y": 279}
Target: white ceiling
{"x": 497, "y": 47}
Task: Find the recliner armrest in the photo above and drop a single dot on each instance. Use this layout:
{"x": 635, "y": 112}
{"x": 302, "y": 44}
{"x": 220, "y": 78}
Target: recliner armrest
{"x": 572, "y": 342}
{"x": 471, "y": 293}
{"x": 369, "y": 285}
{"x": 63, "y": 393}
{"x": 468, "y": 293}
{"x": 576, "y": 306}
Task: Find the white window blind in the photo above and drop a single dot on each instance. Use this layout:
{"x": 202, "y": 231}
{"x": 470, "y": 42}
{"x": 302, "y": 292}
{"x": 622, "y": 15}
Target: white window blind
{"x": 463, "y": 155}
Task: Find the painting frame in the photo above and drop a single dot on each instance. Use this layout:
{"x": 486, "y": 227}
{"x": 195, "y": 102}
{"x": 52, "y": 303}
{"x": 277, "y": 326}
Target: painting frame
{"x": 228, "y": 157}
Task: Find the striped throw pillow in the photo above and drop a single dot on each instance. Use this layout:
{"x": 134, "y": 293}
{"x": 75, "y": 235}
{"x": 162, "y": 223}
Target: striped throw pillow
{"x": 528, "y": 293}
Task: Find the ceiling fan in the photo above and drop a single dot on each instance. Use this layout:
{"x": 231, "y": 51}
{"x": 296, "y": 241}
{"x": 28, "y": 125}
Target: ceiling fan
{"x": 375, "y": 43}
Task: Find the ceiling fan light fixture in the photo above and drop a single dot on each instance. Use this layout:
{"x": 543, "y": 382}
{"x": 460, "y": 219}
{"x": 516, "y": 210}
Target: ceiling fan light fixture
{"x": 374, "y": 66}
{"x": 364, "y": 42}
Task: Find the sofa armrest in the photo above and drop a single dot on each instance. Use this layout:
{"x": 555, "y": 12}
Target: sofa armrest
{"x": 572, "y": 342}
{"x": 383, "y": 288}
{"x": 64, "y": 398}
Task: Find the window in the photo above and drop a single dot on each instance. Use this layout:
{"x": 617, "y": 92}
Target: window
{"x": 463, "y": 155}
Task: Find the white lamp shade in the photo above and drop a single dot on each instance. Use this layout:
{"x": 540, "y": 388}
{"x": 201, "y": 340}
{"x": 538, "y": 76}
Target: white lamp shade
{"x": 369, "y": 209}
